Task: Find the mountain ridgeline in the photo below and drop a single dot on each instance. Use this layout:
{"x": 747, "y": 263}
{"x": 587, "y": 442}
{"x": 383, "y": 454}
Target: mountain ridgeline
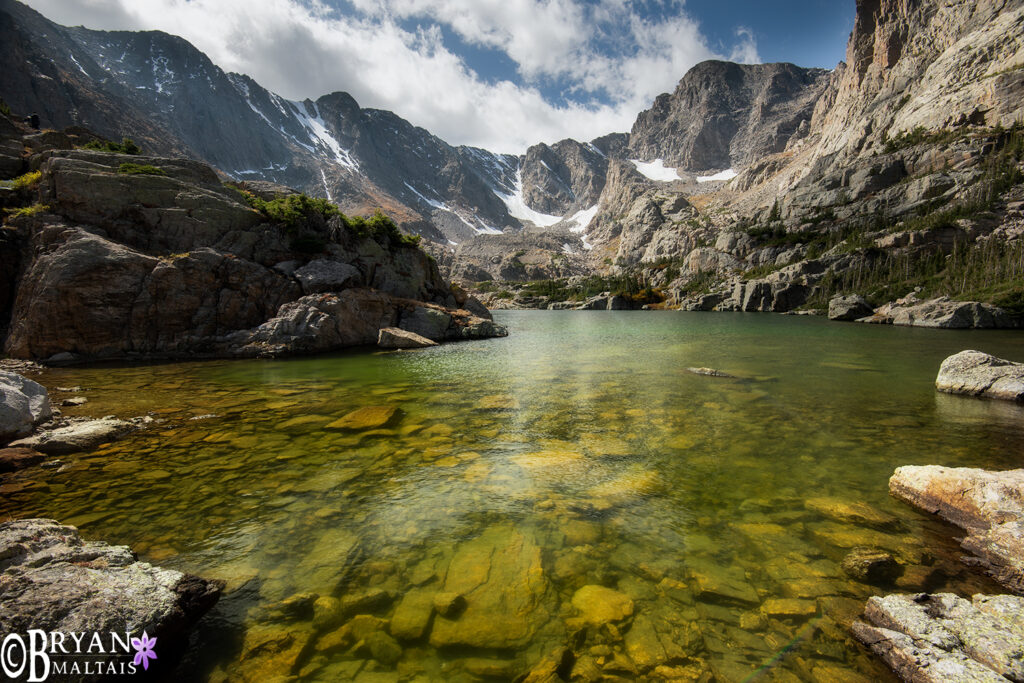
{"x": 749, "y": 187}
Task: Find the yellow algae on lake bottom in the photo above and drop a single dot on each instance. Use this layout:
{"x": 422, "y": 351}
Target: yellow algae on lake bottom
{"x": 473, "y": 511}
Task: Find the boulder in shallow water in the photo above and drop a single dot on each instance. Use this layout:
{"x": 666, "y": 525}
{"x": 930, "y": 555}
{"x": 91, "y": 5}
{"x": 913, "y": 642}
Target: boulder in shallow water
{"x": 871, "y": 566}
{"x": 51, "y": 579}
{"x": 974, "y": 373}
{"x": 988, "y": 505}
{"x": 23, "y": 405}
{"x": 397, "y": 338}
{"x": 78, "y": 436}
{"x": 849, "y": 308}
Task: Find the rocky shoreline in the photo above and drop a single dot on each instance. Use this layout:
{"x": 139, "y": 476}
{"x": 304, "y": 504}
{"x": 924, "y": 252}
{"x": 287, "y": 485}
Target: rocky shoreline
{"x": 939, "y": 637}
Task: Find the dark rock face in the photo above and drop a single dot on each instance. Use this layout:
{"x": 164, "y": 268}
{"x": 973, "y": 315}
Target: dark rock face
{"x": 723, "y": 115}
{"x": 175, "y": 263}
{"x": 563, "y": 177}
{"x": 51, "y": 579}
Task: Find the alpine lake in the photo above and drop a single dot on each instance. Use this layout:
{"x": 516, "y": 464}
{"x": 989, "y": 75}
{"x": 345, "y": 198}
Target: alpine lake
{"x": 573, "y": 486}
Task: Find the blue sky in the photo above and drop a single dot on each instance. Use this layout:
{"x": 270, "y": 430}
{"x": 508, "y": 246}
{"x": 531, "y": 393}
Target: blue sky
{"x": 500, "y": 74}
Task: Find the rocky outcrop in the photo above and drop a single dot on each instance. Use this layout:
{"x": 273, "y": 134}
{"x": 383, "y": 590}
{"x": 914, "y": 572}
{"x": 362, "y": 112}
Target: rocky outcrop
{"x": 943, "y": 313}
{"x": 851, "y": 307}
{"x": 53, "y": 580}
{"x": 723, "y": 115}
{"x": 24, "y": 404}
{"x": 169, "y": 262}
{"x": 942, "y": 637}
{"x": 989, "y": 506}
{"x": 974, "y": 373}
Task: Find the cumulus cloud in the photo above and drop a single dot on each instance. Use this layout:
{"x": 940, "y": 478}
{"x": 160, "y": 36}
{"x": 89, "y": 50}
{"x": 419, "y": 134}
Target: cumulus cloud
{"x": 606, "y": 57}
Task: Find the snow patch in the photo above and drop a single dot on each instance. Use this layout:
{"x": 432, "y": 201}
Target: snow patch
{"x": 323, "y": 176}
{"x": 582, "y": 219}
{"x": 566, "y": 249}
{"x": 77, "y": 64}
{"x": 727, "y": 174}
{"x": 586, "y": 245}
{"x": 517, "y": 207}
{"x": 318, "y": 134}
{"x": 656, "y": 170}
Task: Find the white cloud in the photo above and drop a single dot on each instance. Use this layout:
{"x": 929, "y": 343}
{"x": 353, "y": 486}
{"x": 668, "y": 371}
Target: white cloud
{"x": 609, "y": 62}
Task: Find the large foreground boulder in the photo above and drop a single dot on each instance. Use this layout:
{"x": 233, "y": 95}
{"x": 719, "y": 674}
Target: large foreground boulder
{"x": 988, "y": 505}
{"x": 52, "y": 580}
{"x": 945, "y": 638}
{"x": 23, "y": 405}
{"x": 978, "y": 374}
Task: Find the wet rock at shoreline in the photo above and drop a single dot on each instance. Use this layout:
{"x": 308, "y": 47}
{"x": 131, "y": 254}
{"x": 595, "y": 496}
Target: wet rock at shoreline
{"x": 988, "y": 505}
{"x": 849, "y": 308}
{"x": 52, "y": 579}
{"x": 397, "y": 338}
{"x": 23, "y": 405}
{"x": 974, "y": 373}
{"x": 14, "y": 459}
{"x": 78, "y": 436}
{"x": 942, "y": 637}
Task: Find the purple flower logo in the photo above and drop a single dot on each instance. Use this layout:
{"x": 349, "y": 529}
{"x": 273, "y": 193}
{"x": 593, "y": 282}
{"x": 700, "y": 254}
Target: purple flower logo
{"x": 143, "y": 650}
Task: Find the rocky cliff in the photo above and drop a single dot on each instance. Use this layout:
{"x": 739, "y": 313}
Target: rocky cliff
{"x": 897, "y": 176}
{"x": 725, "y": 115}
{"x": 123, "y": 255}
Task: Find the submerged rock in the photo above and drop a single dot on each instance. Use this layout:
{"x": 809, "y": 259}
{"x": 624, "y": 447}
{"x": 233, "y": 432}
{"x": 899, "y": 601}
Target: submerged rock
{"x": 23, "y": 405}
{"x": 78, "y": 436}
{"x": 943, "y": 637}
{"x": 370, "y": 417}
{"x": 974, "y": 373}
{"x": 598, "y": 605}
{"x": 988, "y": 505}
{"x": 502, "y": 579}
{"x": 872, "y": 566}
{"x": 53, "y": 580}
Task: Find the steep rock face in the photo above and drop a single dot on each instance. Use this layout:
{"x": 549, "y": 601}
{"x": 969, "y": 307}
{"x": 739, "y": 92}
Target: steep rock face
{"x": 929, "y": 64}
{"x": 564, "y": 177}
{"x": 723, "y": 115}
{"x": 169, "y": 96}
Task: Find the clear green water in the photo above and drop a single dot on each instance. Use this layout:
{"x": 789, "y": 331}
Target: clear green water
{"x": 576, "y": 452}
